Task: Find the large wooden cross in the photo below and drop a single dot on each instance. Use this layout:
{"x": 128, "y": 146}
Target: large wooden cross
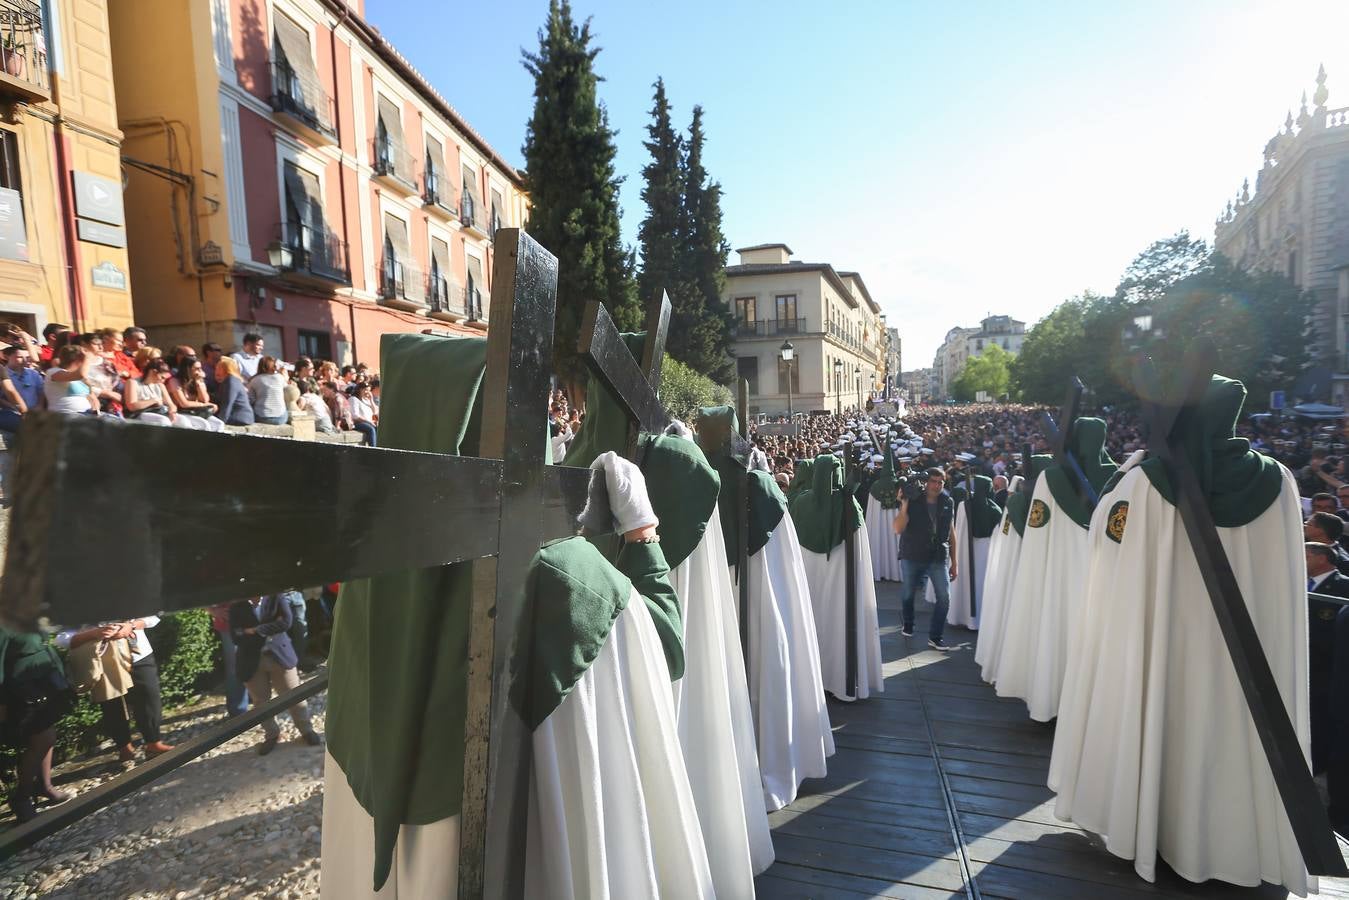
{"x": 1297, "y": 790}
{"x": 203, "y": 518}
{"x": 1059, "y": 434}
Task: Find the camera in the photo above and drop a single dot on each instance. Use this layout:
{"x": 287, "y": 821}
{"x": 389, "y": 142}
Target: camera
{"x": 912, "y": 486}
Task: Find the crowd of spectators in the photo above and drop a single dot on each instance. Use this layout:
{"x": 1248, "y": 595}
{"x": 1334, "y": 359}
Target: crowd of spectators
{"x": 120, "y": 375}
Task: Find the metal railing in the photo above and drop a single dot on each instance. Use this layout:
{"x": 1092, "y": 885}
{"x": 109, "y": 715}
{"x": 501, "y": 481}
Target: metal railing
{"x": 23, "y": 46}
{"x": 398, "y": 281}
{"x": 314, "y": 251}
{"x": 389, "y": 157}
{"x": 473, "y": 304}
{"x": 471, "y": 214}
{"x": 434, "y": 195}
{"x": 301, "y": 98}
{"x": 444, "y": 295}
{"x": 771, "y": 327}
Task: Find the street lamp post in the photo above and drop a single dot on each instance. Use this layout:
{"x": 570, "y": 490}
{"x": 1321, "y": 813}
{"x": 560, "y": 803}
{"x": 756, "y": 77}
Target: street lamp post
{"x": 857, "y": 381}
{"x": 838, "y": 387}
{"x": 788, "y": 353}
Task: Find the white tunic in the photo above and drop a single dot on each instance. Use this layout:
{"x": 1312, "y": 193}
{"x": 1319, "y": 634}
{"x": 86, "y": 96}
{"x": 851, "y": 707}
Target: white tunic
{"x": 828, "y": 596}
{"x": 884, "y": 541}
{"x": 961, "y": 611}
{"x": 1004, "y": 555}
{"x": 716, "y": 727}
{"x": 785, "y": 688}
{"x": 1155, "y": 748}
{"x": 1044, "y": 608}
{"x": 611, "y": 812}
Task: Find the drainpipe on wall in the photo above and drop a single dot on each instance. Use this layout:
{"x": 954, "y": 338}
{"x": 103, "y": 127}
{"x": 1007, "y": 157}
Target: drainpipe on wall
{"x": 78, "y": 307}
{"x": 341, "y": 162}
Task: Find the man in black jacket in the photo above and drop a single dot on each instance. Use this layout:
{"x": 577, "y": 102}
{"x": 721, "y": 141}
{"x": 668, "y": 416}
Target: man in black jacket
{"x": 266, "y": 660}
{"x": 1326, "y": 528}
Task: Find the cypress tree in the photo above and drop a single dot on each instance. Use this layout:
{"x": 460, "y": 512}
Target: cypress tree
{"x": 573, "y": 189}
{"x": 703, "y": 263}
{"x": 661, "y": 233}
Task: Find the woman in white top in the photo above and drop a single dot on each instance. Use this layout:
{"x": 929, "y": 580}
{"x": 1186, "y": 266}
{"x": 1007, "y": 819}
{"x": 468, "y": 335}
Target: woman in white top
{"x": 312, "y": 403}
{"x": 188, "y": 391}
{"x": 145, "y": 399}
{"x": 267, "y": 392}
{"x": 66, "y": 391}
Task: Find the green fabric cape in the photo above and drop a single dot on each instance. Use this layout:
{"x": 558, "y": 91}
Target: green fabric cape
{"x": 959, "y": 493}
{"x": 983, "y": 513}
{"x": 1018, "y": 503}
{"x": 1238, "y": 482}
{"x": 397, "y": 696}
{"x": 886, "y": 486}
{"x": 1088, "y": 448}
{"x": 826, "y": 513}
{"x": 716, "y": 425}
{"x": 800, "y": 479}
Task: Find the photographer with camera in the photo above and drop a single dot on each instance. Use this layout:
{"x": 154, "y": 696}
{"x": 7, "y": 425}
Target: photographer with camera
{"x": 927, "y": 539}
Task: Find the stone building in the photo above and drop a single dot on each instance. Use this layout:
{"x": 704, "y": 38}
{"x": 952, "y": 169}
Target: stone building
{"x": 1297, "y": 222}
{"x": 834, "y": 326}
{"x": 312, "y": 186}
{"x": 963, "y": 344}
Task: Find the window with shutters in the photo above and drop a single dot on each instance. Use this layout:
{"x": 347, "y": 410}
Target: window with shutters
{"x": 437, "y": 187}
{"x": 439, "y": 293}
{"x": 473, "y": 289}
{"x": 13, "y": 234}
{"x": 471, "y": 214}
{"x": 306, "y": 244}
{"x": 498, "y": 213}
{"x": 390, "y": 158}
{"x": 296, "y": 88}
{"x": 399, "y": 277}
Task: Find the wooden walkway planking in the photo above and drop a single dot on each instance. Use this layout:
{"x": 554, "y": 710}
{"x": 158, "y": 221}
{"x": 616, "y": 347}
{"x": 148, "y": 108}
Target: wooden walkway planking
{"x": 937, "y": 790}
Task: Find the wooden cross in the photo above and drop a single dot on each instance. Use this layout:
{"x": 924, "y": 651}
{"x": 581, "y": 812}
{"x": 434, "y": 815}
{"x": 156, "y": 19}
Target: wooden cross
{"x": 849, "y": 581}
{"x": 969, "y": 539}
{"x": 204, "y": 518}
{"x": 1059, "y": 434}
{"x": 635, "y": 385}
{"x": 742, "y": 514}
{"x": 1297, "y": 790}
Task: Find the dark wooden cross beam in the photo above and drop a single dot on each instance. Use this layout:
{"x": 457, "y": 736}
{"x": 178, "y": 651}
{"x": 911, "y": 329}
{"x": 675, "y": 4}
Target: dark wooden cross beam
{"x": 742, "y": 516}
{"x": 635, "y": 384}
{"x": 1297, "y": 790}
{"x": 1028, "y": 476}
{"x": 207, "y": 518}
{"x": 969, "y": 540}
{"x": 849, "y": 581}
{"x": 1058, "y": 434}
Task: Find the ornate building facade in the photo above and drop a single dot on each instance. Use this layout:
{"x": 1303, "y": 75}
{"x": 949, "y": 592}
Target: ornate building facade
{"x": 963, "y": 344}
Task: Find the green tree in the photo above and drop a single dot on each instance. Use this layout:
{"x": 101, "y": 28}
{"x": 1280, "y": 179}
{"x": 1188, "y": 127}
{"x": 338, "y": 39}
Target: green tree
{"x": 988, "y": 372}
{"x": 684, "y": 391}
{"x": 703, "y": 264}
{"x": 1161, "y": 266}
{"x": 573, "y": 189}
{"x": 1052, "y": 347}
{"x": 661, "y": 234}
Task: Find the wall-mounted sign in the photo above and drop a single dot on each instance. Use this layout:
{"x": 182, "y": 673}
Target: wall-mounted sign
{"x": 13, "y": 236}
{"x": 211, "y": 254}
{"x": 98, "y": 198}
{"x": 106, "y": 275}
{"x": 98, "y": 233}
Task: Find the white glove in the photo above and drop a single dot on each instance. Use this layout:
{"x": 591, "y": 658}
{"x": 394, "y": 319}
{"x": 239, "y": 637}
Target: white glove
{"x": 629, "y": 504}
{"x": 758, "y": 460}
{"x": 679, "y": 429}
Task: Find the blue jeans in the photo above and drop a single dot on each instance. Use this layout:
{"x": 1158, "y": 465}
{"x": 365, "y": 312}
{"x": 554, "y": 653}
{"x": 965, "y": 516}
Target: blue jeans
{"x": 299, "y": 628}
{"x": 236, "y": 694}
{"x": 916, "y": 575}
{"x": 368, "y": 431}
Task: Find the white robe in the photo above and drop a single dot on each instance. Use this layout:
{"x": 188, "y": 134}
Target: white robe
{"x": 786, "y": 691}
{"x": 716, "y": 727}
{"x": 1155, "y": 748}
{"x": 828, "y": 596}
{"x": 1044, "y": 608}
{"x": 611, "y": 812}
{"x": 884, "y": 541}
{"x": 1004, "y": 554}
{"x": 960, "y": 611}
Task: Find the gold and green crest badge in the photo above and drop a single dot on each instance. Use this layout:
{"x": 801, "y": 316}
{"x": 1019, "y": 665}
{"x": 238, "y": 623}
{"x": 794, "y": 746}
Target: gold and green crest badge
{"x": 1006, "y": 523}
{"x": 1119, "y": 517}
{"x": 1039, "y": 514}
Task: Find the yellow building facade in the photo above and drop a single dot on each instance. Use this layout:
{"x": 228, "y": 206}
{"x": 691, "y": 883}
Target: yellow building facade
{"x": 63, "y": 254}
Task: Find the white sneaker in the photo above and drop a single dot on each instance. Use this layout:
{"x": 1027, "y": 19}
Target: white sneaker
{"x": 937, "y": 645}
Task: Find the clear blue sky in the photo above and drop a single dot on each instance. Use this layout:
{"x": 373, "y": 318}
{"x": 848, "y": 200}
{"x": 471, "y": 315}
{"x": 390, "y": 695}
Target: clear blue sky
{"x": 966, "y": 159}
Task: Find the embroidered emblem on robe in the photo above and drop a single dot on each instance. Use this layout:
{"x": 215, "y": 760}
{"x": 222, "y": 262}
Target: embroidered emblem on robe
{"x": 1119, "y": 516}
{"x": 1039, "y": 514}
{"x": 1006, "y": 523}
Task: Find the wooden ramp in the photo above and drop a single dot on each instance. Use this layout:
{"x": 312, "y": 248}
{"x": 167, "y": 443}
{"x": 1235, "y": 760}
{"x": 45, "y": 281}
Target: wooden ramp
{"x": 938, "y": 790}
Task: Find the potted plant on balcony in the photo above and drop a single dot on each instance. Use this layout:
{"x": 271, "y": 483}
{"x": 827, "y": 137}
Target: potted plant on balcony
{"x": 15, "y": 64}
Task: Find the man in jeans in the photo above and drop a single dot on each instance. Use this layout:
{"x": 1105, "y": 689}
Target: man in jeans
{"x": 927, "y": 539}
{"x": 266, "y": 661}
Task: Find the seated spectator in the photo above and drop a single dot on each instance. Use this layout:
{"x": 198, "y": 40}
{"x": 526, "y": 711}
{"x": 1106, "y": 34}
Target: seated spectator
{"x": 267, "y": 393}
{"x": 133, "y": 341}
{"x": 312, "y": 403}
{"x": 51, "y": 337}
{"x": 188, "y": 392}
{"x": 231, "y": 395}
{"x": 114, "y": 350}
{"x": 304, "y": 368}
{"x": 363, "y": 414}
{"x": 250, "y": 356}
{"x": 267, "y": 661}
{"x": 20, "y": 390}
{"x": 348, "y": 377}
{"x": 181, "y": 354}
{"x": 1327, "y": 528}
{"x": 338, "y": 406}
{"x": 146, "y": 399}
{"x": 144, "y": 355}
{"x": 143, "y": 700}
{"x": 66, "y": 390}
{"x": 101, "y": 375}
{"x": 34, "y": 695}
{"x": 327, "y": 372}
{"x": 210, "y": 358}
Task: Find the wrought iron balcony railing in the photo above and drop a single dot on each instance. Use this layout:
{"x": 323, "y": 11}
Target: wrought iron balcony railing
{"x": 445, "y": 296}
{"x": 23, "y": 51}
{"x": 771, "y": 327}
{"x": 317, "y": 252}
{"x": 472, "y": 215}
{"x": 302, "y": 98}
{"x": 392, "y": 160}
{"x": 473, "y": 304}
{"x": 434, "y": 194}
{"x": 399, "y": 281}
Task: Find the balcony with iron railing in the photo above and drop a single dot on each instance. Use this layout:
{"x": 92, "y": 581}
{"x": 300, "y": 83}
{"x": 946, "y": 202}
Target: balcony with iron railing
{"x": 302, "y": 101}
{"x": 472, "y": 216}
{"x": 23, "y": 51}
{"x": 393, "y": 165}
{"x": 473, "y": 307}
{"x": 439, "y": 199}
{"x": 314, "y": 255}
{"x": 446, "y": 299}
{"x": 401, "y": 285}
{"x": 764, "y": 328}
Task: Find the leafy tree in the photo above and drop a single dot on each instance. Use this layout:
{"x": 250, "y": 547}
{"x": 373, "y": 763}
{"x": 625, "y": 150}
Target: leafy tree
{"x": 661, "y": 234}
{"x": 569, "y": 161}
{"x": 988, "y": 372}
{"x": 703, "y": 264}
{"x": 1161, "y": 266}
{"x": 684, "y": 391}
{"x": 1051, "y": 350}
